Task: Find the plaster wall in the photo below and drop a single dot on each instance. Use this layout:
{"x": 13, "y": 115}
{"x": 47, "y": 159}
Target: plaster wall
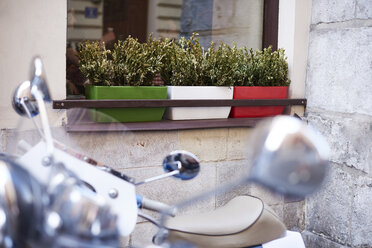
{"x": 26, "y": 33}
{"x": 339, "y": 75}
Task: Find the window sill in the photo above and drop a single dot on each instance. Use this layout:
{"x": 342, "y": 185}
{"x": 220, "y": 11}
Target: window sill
{"x": 164, "y": 125}
{"x": 90, "y": 126}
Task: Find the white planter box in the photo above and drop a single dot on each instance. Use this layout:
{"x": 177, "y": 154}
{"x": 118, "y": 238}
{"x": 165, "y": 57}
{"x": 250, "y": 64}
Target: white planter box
{"x": 198, "y": 93}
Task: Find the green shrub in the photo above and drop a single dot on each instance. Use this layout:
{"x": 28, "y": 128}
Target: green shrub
{"x": 94, "y": 63}
{"x": 165, "y": 49}
{"x": 187, "y": 60}
{"x": 268, "y": 68}
{"x": 184, "y": 62}
{"x": 224, "y": 65}
{"x": 135, "y": 63}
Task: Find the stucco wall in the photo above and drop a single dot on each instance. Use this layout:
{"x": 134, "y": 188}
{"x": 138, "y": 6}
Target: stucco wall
{"x": 338, "y": 89}
{"x": 30, "y": 28}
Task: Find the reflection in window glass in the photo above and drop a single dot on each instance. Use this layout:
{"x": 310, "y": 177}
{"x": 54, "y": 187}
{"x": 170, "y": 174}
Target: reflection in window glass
{"x": 227, "y": 21}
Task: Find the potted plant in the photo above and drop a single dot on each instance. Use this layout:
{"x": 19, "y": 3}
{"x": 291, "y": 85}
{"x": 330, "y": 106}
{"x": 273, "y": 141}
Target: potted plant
{"x": 194, "y": 75}
{"x": 266, "y": 77}
{"x": 191, "y": 73}
{"x": 126, "y": 72}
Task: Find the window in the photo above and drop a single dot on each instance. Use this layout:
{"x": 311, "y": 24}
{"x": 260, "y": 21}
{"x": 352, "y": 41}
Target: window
{"x": 250, "y": 23}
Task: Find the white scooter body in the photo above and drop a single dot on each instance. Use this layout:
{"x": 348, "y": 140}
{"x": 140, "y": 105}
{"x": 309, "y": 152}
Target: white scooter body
{"x": 123, "y": 204}
{"x": 290, "y": 240}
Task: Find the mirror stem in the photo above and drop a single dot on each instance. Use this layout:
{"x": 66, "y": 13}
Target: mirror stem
{"x": 44, "y": 121}
{"x": 24, "y": 105}
{"x": 169, "y": 174}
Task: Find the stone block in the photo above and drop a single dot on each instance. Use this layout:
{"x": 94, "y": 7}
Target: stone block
{"x": 364, "y": 9}
{"x": 233, "y": 171}
{"x": 328, "y": 212}
{"x": 266, "y": 196}
{"x": 361, "y": 219}
{"x": 124, "y": 241}
{"x": 142, "y": 235}
{"x": 349, "y": 138}
{"x": 127, "y": 149}
{"x": 315, "y": 241}
{"x": 294, "y": 216}
{"x": 332, "y": 11}
{"x": 227, "y": 173}
{"x": 339, "y": 69}
{"x": 239, "y": 143}
{"x": 206, "y": 144}
{"x": 279, "y": 211}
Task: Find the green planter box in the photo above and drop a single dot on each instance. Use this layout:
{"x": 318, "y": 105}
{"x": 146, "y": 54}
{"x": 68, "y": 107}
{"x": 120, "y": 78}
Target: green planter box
{"x": 127, "y": 92}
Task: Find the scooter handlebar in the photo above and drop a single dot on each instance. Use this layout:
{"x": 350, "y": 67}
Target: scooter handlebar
{"x": 152, "y": 205}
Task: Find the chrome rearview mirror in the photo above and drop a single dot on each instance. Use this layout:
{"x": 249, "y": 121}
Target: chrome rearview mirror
{"x": 39, "y": 81}
{"x": 185, "y": 163}
{"x": 24, "y": 102}
{"x": 289, "y": 156}
{"x": 28, "y": 100}
{"x": 180, "y": 164}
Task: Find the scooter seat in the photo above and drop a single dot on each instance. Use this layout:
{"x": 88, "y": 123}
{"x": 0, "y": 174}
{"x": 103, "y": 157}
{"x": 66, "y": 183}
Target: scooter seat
{"x": 242, "y": 222}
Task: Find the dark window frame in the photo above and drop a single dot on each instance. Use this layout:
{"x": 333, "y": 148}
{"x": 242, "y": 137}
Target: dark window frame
{"x": 270, "y": 24}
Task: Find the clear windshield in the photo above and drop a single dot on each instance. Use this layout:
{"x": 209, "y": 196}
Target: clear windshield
{"x": 112, "y": 144}
{"x": 82, "y": 142}
{"x": 77, "y": 132}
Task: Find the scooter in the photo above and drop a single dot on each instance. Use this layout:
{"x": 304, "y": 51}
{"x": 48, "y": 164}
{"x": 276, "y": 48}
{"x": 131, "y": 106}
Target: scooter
{"x": 53, "y": 196}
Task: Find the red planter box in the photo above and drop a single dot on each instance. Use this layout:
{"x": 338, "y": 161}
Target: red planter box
{"x": 248, "y": 92}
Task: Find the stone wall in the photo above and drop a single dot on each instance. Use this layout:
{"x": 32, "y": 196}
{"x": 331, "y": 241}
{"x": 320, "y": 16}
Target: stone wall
{"x": 338, "y": 89}
{"x": 223, "y": 154}
{"x": 224, "y": 158}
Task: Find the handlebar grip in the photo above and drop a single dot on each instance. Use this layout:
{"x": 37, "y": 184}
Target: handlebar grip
{"x": 154, "y": 205}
